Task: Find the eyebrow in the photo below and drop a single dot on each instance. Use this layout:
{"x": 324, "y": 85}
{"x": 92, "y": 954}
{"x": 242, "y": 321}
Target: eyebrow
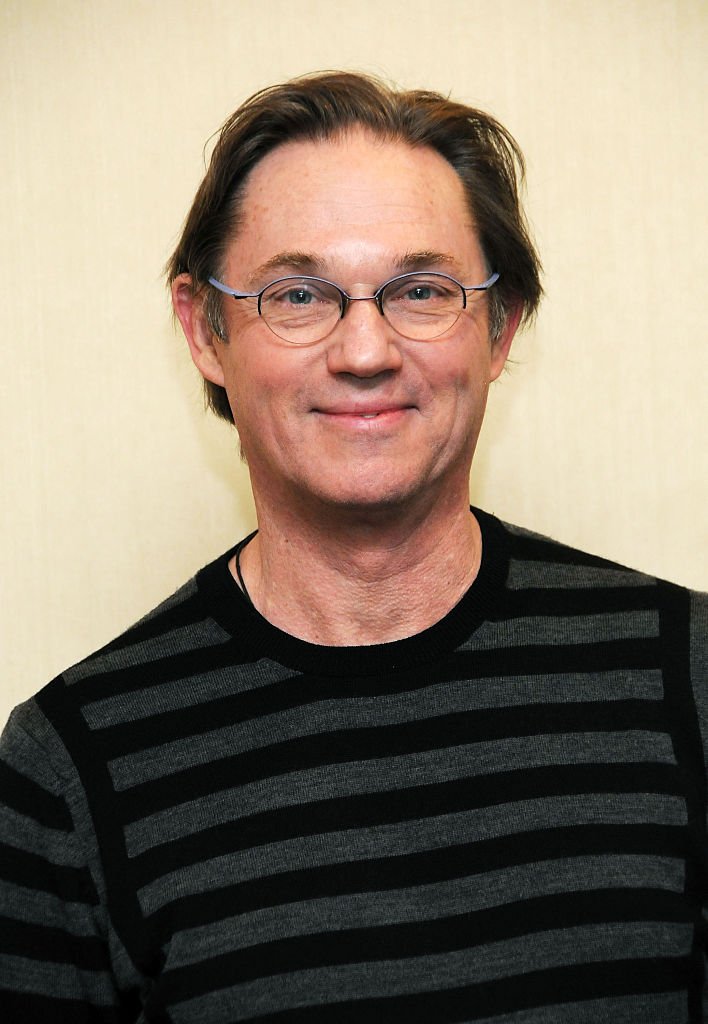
{"x": 312, "y": 265}
{"x": 424, "y": 259}
{"x": 305, "y": 262}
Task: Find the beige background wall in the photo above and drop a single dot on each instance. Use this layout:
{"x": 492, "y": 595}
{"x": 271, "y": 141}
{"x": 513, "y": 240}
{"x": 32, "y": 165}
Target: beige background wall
{"x": 115, "y": 486}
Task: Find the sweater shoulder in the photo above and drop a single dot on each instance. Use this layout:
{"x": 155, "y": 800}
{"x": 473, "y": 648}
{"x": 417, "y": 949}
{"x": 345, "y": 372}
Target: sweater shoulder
{"x": 146, "y": 668}
{"x": 176, "y": 626}
{"x": 538, "y": 560}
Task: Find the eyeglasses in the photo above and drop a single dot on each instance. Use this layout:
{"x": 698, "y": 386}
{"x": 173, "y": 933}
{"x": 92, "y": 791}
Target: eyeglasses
{"x": 304, "y": 310}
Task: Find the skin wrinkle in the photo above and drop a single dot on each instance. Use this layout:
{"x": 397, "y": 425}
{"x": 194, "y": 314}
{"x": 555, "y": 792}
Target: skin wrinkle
{"x": 377, "y": 576}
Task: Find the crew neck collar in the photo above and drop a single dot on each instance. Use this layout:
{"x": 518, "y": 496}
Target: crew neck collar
{"x": 226, "y": 604}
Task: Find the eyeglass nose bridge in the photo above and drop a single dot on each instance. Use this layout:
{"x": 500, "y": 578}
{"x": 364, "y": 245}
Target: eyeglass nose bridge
{"x": 377, "y": 297}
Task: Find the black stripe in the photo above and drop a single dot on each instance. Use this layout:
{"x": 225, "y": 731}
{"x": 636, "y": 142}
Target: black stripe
{"x": 184, "y": 614}
{"x": 389, "y": 807}
{"x": 27, "y": 797}
{"x": 28, "y": 1008}
{"x": 381, "y": 874}
{"x": 21, "y": 867}
{"x": 149, "y": 673}
{"x": 53, "y": 945}
{"x": 568, "y": 602}
{"x": 534, "y": 548}
{"x": 369, "y": 743}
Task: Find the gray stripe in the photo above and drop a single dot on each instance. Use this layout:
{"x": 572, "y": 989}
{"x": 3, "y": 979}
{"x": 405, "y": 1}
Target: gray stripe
{"x": 564, "y": 630}
{"x": 27, "y": 834}
{"x": 389, "y": 774}
{"x": 60, "y": 981}
{"x": 23, "y": 752}
{"x": 178, "y": 641}
{"x": 381, "y": 710}
{"x": 411, "y": 837}
{"x": 85, "y": 668}
{"x": 181, "y": 694}
{"x": 662, "y": 1008}
{"x": 493, "y": 961}
{"x": 37, "y": 907}
{"x": 427, "y": 902}
{"x": 523, "y": 575}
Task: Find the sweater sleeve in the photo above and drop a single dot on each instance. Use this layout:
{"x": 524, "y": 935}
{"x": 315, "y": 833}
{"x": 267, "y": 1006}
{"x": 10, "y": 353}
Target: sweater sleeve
{"x": 699, "y": 664}
{"x": 55, "y": 957}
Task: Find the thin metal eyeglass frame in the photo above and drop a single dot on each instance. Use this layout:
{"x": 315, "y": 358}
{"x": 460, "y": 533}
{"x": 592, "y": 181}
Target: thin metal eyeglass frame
{"x": 346, "y": 298}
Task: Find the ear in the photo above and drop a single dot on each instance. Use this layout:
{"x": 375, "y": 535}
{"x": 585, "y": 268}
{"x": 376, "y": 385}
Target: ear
{"x": 203, "y": 343}
{"x": 502, "y": 345}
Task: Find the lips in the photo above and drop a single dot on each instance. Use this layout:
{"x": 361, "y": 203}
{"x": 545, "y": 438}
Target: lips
{"x": 363, "y": 412}
{"x": 357, "y": 421}
{"x": 367, "y": 415}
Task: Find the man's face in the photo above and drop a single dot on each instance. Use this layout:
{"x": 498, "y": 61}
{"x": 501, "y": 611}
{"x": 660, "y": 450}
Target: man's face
{"x": 365, "y": 418}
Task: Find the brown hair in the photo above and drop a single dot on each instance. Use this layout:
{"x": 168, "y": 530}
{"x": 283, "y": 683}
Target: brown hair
{"x": 318, "y": 107}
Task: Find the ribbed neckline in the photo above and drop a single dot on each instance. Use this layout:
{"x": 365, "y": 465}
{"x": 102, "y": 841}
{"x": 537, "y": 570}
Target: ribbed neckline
{"x": 225, "y": 603}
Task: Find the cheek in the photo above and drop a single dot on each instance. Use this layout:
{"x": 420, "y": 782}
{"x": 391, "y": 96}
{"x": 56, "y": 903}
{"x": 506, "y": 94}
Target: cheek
{"x": 466, "y": 388}
{"x": 462, "y": 376}
{"x": 264, "y": 388}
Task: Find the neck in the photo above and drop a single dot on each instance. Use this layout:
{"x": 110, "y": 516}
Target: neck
{"x": 361, "y": 579}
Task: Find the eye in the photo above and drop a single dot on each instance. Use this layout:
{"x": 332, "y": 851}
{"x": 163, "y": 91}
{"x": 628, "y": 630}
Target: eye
{"x": 298, "y": 296}
{"x": 428, "y": 290}
{"x": 294, "y": 304}
{"x": 419, "y": 292}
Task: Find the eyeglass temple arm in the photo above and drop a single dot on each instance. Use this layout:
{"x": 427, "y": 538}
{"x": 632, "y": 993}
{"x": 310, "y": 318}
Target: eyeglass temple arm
{"x": 482, "y": 287}
{"x": 232, "y": 291}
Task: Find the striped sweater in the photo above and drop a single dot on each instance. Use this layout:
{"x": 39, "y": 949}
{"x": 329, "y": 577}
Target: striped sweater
{"x": 499, "y": 819}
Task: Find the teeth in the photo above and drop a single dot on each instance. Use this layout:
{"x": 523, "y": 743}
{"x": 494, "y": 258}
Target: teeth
{"x": 369, "y": 415}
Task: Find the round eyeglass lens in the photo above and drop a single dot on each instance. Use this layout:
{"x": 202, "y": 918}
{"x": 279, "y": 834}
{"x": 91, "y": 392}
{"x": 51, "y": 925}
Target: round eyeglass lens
{"x": 422, "y": 306}
{"x": 300, "y": 309}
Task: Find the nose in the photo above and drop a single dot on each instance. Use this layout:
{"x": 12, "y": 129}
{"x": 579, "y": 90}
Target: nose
{"x": 363, "y": 343}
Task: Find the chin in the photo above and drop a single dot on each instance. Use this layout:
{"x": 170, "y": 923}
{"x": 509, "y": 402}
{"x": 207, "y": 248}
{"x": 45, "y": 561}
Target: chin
{"x": 378, "y": 497}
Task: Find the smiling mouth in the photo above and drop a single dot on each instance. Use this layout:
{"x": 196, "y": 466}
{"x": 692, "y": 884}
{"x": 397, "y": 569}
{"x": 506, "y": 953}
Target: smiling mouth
{"x": 364, "y": 421}
{"x": 364, "y": 414}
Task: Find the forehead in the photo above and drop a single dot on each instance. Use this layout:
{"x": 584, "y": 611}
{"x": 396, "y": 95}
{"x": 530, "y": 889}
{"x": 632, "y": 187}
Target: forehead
{"x": 353, "y": 199}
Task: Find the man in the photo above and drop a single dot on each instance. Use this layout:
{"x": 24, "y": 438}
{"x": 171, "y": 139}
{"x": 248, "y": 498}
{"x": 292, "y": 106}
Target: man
{"x": 388, "y": 758}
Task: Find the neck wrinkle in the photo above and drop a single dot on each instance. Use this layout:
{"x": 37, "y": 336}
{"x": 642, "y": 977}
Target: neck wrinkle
{"x": 362, "y": 585}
